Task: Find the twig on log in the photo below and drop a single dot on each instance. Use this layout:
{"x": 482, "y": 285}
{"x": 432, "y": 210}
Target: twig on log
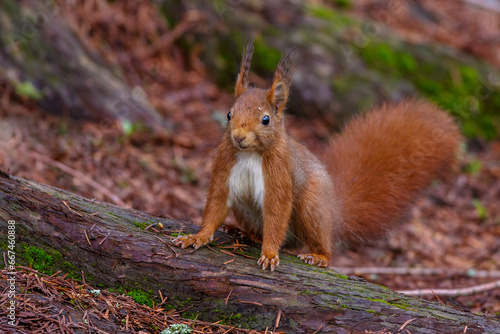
{"x": 87, "y": 237}
{"x": 100, "y": 243}
{"x": 277, "y": 322}
{"x": 406, "y": 323}
{"x": 437, "y": 297}
{"x": 228, "y": 295}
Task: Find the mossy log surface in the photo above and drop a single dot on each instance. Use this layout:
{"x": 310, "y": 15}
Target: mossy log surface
{"x": 46, "y": 61}
{"x": 110, "y": 245}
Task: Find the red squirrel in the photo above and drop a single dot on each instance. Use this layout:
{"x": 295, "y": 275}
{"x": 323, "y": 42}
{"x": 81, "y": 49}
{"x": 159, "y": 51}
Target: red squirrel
{"x": 278, "y": 190}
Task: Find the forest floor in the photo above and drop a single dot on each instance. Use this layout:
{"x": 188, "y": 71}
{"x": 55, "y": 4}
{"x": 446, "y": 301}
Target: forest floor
{"x": 454, "y": 229}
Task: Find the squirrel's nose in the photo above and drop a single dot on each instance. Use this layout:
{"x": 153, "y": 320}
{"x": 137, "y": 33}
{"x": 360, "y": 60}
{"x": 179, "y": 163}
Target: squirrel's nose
{"x": 239, "y": 138}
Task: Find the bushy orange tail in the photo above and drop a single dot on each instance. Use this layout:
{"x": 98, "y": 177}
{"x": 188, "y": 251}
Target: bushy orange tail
{"x": 383, "y": 160}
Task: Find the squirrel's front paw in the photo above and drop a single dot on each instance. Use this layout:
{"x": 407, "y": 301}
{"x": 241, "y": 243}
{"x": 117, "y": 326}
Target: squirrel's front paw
{"x": 191, "y": 240}
{"x": 269, "y": 260}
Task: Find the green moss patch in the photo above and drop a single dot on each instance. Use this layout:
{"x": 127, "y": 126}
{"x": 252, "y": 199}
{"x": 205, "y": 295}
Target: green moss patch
{"x": 265, "y": 58}
{"x": 333, "y": 17}
{"x": 460, "y": 88}
{"x": 39, "y": 259}
{"x": 142, "y": 225}
{"x": 47, "y": 261}
{"x": 142, "y": 297}
{"x": 399, "y": 304}
{"x": 139, "y": 296}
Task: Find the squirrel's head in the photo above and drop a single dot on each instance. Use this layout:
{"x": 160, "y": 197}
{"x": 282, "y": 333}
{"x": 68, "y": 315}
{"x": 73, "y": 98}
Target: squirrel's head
{"x": 256, "y": 119}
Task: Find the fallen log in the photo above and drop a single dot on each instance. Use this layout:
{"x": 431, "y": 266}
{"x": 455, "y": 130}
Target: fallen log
{"x": 115, "y": 246}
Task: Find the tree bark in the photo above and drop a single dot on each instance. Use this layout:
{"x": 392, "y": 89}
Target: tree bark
{"x": 110, "y": 245}
{"x": 46, "y": 61}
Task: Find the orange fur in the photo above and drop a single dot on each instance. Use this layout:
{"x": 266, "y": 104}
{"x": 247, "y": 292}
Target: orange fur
{"x": 383, "y": 160}
{"x": 280, "y": 191}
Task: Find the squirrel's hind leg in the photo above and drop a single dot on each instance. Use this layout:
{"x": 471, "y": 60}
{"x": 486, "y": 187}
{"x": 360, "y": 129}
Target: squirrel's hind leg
{"x": 312, "y": 221}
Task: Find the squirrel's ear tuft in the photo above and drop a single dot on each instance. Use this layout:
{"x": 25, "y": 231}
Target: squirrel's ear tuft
{"x": 277, "y": 95}
{"x": 242, "y": 80}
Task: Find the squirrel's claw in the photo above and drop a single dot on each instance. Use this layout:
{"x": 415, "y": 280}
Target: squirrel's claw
{"x": 264, "y": 261}
{"x": 184, "y": 241}
{"x": 189, "y": 240}
{"x": 315, "y": 259}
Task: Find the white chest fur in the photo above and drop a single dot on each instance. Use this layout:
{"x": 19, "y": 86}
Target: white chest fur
{"x": 246, "y": 181}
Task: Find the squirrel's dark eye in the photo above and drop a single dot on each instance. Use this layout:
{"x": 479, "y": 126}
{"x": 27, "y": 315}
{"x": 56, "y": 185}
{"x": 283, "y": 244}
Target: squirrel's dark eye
{"x": 229, "y": 116}
{"x": 265, "y": 120}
